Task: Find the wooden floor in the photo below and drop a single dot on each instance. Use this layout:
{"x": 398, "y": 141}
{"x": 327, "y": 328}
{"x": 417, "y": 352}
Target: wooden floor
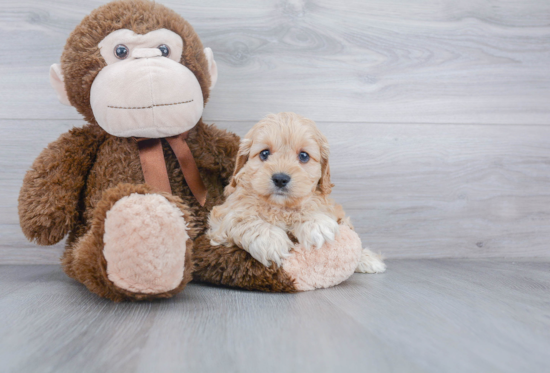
{"x": 421, "y": 316}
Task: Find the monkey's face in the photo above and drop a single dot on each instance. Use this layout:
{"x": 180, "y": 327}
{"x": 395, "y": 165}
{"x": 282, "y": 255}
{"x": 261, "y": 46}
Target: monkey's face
{"x": 136, "y": 68}
{"x": 145, "y": 91}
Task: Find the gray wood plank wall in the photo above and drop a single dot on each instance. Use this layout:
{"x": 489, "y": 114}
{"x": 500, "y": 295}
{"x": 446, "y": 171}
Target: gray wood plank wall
{"x": 437, "y": 111}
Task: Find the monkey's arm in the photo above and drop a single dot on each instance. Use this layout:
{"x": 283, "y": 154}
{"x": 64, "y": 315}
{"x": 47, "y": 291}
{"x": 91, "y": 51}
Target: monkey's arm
{"x": 51, "y": 189}
{"x": 217, "y": 150}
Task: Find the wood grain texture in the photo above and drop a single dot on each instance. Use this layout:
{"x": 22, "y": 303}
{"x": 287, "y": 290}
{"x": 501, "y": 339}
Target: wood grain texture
{"x": 420, "y": 316}
{"x": 437, "y": 111}
{"x": 411, "y": 190}
{"x": 375, "y": 61}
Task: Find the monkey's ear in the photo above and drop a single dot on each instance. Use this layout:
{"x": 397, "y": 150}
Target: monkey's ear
{"x": 212, "y": 67}
{"x": 58, "y": 83}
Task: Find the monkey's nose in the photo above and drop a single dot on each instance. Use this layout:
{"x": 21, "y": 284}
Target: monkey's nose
{"x": 146, "y": 53}
{"x": 280, "y": 180}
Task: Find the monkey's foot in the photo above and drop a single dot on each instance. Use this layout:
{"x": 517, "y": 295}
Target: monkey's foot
{"x": 145, "y": 244}
{"x": 326, "y": 266}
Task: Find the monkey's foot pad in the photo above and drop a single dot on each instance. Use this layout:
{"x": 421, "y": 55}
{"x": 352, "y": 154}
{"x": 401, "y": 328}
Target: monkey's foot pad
{"x": 145, "y": 242}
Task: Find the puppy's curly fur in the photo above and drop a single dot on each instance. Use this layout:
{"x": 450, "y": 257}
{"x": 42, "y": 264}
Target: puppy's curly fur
{"x": 279, "y": 192}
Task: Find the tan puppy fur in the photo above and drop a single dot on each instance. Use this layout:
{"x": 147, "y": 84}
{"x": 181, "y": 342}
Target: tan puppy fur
{"x": 260, "y": 216}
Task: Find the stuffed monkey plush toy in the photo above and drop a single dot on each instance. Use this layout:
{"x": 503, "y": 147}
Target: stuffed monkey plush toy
{"x": 139, "y": 75}
{"x": 133, "y": 187}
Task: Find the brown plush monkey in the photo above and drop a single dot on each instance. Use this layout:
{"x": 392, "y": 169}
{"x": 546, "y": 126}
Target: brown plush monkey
{"x": 133, "y": 69}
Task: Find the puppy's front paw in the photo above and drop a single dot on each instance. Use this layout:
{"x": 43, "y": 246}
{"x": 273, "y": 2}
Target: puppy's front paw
{"x": 370, "y": 263}
{"x": 270, "y": 246}
{"x": 317, "y": 231}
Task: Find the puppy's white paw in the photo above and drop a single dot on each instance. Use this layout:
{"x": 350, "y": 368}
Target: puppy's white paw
{"x": 370, "y": 263}
{"x": 272, "y": 245}
{"x": 315, "y": 232}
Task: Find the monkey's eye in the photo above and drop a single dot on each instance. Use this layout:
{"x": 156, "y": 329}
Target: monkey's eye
{"x": 264, "y": 154}
{"x": 164, "y": 50}
{"x": 121, "y": 51}
{"x": 304, "y": 157}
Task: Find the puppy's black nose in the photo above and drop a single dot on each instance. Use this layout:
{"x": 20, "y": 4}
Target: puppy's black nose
{"x": 280, "y": 180}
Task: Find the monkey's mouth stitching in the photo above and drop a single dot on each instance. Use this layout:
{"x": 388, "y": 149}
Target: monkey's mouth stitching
{"x": 149, "y": 107}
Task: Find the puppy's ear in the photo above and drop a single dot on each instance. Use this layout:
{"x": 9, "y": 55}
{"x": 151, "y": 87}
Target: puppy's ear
{"x": 324, "y": 186}
{"x": 242, "y": 158}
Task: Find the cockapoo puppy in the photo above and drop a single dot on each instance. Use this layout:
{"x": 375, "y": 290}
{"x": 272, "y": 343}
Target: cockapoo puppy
{"x": 279, "y": 194}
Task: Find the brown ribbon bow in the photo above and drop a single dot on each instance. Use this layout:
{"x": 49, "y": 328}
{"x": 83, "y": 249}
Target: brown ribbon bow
{"x": 154, "y": 165}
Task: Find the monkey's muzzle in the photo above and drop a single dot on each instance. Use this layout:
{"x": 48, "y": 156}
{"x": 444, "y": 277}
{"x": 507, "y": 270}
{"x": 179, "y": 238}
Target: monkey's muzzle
{"x": 146, "y": 96}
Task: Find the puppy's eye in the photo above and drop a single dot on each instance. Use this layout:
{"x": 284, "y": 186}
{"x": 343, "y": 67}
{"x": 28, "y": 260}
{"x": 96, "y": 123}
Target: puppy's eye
{"x": 304, "y": 157}
{"x": 121, "y": 51}
{"x": 264, "y": 154}
{"x": 164, "y": 50}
